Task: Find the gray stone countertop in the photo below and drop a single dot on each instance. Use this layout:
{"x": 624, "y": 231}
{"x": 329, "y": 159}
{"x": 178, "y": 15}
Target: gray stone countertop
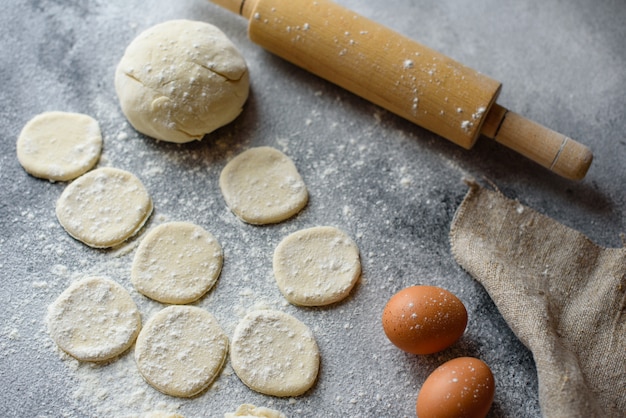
{"x": 390, "y": 185}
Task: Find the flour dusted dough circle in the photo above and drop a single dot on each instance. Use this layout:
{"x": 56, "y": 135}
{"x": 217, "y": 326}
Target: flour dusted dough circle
{"x": 262, "y": 186}
{"x": 181, "y": 350}
{"x": 94, "y": 319}
{"x": 104, "y": 207}
{"x": 316, "y": 266}
{"x": 59, "y": 146}
{"x": 251, "y": 411}
{"x": 274, "y": 353}
{"x": 180, "y": 80}
{"x": 177, "y": 262}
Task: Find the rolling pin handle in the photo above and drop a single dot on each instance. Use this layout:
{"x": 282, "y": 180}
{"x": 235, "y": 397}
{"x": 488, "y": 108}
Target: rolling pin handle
{"x": 240, "y": 7}
{"x": 552, "y": 150}
{"x": 436, "y": 97}
{"x": 235, "y": 6}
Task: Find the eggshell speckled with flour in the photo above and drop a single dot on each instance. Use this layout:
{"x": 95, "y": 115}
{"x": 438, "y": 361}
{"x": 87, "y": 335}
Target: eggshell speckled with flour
{"x": 460, "y": 388}
{"x": 424, "y": 319}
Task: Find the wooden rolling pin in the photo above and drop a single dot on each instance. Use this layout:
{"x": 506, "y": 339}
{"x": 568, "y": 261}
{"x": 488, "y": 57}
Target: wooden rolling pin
{"x": 404, "y": 77}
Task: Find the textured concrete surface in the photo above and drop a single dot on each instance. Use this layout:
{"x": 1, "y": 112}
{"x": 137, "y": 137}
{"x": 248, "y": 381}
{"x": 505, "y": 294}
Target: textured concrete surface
{"x": 391, "y": 185}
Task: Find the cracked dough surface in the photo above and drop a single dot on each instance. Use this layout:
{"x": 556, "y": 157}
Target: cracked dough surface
{"x": 274, "y": 353}
{"x": 316, "y": 266}
{"x": 181, "y": 350}
{"x": 177, "y": 262}
{"x": 104, "y": 207}
{"x": 180, "y": 80}
{"x": 262, "y": 186}
{"x": 94, "y": 319}
{"x": 59, "y": 146}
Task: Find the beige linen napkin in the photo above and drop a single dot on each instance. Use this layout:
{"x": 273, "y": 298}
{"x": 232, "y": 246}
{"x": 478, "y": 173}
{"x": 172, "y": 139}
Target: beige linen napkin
{"x": 562, "y": 295}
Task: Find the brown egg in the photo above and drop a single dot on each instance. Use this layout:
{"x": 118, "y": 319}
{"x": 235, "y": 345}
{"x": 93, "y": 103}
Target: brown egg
{"x": 424, "y": 319}
{"x": 460, "y": 388}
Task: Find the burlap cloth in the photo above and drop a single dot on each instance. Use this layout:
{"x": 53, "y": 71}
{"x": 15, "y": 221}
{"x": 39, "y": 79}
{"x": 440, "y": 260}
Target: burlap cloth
{"x": 561, "y": 294}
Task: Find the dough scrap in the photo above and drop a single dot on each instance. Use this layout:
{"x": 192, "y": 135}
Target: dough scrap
{"x": 181, "y": 350}
{"x": 59, "y": 146}
{"x": 180, "y": 80}
{"x": 262, "y": 186}
{"x": 251, "y": 411}
{"x": 104, "y": 207}
{"x": 177, "y": 262}
{"x": 316, "y": 266}
{"x": 94, "y": 319}
{"x": 274, "y": 353}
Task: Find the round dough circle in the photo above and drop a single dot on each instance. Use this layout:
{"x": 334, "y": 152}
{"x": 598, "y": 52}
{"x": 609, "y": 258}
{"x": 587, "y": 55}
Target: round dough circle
{"x": 104, "y": 207}
{"x": 262, "y": 186}
{"x": 59, "y": 146}
{"x": 316, "y": 266}
{"x": 94, "y": 319}
{"x": 274, "y": 353}
{"x": 180, "y": 80}
{"x": 247, "y": 410}
{"x": 181, "y": 350}
{"x": 177, "y": 262}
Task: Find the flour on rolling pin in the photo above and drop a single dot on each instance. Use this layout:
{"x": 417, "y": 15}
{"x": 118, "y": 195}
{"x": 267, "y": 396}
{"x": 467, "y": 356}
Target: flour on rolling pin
{"x": 404, "y": 77}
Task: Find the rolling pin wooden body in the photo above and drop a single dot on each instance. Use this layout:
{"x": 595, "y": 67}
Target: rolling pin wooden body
{"x": 402, "y": 76}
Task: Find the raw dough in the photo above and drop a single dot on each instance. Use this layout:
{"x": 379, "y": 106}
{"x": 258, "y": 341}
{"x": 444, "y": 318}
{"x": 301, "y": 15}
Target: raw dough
{"x": 181, "y": 350}
{"x": 94, "y": 319}
{"x": 316, "y": 266}
{"x": 180, "y": 80}
{"x": 274, "y": 353}
{"x": 263, "y": 186}
{"x": 104, "y": 207}
{"x": 176, "y": 262}
{"x": 251, "y": 411}
{"x": 59, "y": 146}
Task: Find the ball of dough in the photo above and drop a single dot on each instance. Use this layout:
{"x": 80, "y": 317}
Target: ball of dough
{"x": 180, "y": 80}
